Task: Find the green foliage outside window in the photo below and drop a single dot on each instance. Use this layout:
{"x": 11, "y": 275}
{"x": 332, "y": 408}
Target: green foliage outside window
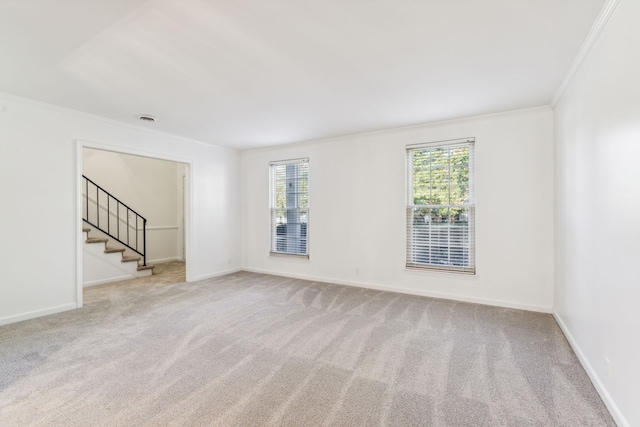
{"x": 441, "y": 178}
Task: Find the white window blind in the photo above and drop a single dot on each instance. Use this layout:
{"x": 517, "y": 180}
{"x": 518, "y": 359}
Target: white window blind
{"x": 290, "y": 207}
{"x": 440, "y": 206}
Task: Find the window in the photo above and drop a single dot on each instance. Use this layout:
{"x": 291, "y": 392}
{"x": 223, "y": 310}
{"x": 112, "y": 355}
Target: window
{"x": 440, "y": 206}
{"x": 290, "y": 207}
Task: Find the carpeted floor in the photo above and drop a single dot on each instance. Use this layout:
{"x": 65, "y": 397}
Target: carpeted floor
{"x": 255, "y": 350}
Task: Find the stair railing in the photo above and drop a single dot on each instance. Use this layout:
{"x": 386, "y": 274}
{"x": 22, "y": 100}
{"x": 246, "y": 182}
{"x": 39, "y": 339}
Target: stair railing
{"x": 114, "y": 218}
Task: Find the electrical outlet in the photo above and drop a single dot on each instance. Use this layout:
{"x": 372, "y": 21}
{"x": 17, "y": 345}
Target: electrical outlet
{"x": 357, "y": 271}
{"x": 229, "y": 261}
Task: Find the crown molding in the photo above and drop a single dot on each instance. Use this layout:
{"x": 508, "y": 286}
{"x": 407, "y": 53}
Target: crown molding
{"x": 70, "y": 111}
{"x": 597, "y": 28}
{"x": 405, "y": 128}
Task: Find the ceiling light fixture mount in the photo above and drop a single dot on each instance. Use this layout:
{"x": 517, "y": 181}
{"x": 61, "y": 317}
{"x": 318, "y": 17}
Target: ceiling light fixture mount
{"x": 146, "y": 118}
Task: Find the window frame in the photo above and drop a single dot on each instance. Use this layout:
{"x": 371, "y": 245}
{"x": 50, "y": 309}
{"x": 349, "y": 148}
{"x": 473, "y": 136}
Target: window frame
{"x": 410, "y": 241}
{"x": 273, "y": 224}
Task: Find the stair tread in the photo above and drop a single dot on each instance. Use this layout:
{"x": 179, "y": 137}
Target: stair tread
{"x": 96, "y": 240}
{"x": 86, "y": 229}
{"x": 109, "y": 250}
{"x": 129, "y": 258}
{"x": 146, "y": 267}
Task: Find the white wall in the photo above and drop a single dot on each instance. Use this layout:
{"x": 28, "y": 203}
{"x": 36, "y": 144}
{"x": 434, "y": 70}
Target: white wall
{"x": 357, "y": 211}
{"x": 597, "y": 213}
{"x": 38, "y": 162}
{"x": 148, "y": 186}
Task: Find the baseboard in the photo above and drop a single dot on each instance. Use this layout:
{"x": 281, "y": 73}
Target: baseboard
{"x": 161, "y": 260}
{"x": 595, "y": 379}
{"x": 109, "y": 280}
{"x": 37, "y": 313}
{"x": 217, "y": 274}
{"x": 409, "y": 291}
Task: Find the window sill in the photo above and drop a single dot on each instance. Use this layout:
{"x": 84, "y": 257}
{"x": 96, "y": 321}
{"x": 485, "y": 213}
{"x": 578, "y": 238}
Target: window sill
{"x": 280, "y": 255}
{"x": 442, "y": 273}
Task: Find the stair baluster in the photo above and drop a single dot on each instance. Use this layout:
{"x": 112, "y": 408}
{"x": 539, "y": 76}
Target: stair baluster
{"x": 128, "y": 242}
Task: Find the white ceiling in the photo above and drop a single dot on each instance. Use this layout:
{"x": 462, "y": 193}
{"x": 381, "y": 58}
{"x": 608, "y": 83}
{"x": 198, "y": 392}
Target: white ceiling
{"x": 253, "y": 73}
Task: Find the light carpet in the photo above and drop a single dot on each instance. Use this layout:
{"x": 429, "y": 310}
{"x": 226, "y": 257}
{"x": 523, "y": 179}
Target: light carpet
{"x": 256, "y": 350}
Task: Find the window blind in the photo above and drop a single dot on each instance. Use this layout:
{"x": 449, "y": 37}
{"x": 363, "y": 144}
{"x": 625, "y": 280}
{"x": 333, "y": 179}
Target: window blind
{"x": 440, "y": 206}
{"x": 289, "y": 183}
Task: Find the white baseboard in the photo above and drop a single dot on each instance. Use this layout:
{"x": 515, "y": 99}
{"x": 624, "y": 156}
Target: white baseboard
{"x": 109, "y": 280}
{"x": 161, "y": 260}
{"x": 595, "y": 379}
{"x": 217, "y": 274}
{"x": 37, "y": 313}
{"x": 409, "y": 291}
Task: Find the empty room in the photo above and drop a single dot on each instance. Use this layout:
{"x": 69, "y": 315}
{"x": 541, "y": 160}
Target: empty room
{"x": 320, "y": 213}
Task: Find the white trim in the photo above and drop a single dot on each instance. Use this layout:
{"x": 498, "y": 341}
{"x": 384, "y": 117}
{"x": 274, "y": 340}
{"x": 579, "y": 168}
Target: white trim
{"x": 438, "y": 123}
{"x": 41, "y": 104}
{"x": 109, "y": 280}
{"x": 410, "y": 226}
{"x": 281, "y": 256}
{"x": 461, "y": 271}
{"x": 595, "y": 379}
{"x": 37, "y": 313}
{"x": 450, "y": 274}
{"x": 443, "y": 122}
{"x": 599, "y": 25}
{"x": 122, "y": 221}
{"x": 126, "y": 150}
{"x": 189, "y": 171}
{"x": 80, "y": 237}
{"x": 436, "y": 144}
{"x": 112, "y": 214}
{"x": 289, "y": 161}
{"x": 161, "y": 260}
{"x": 273, "y": 202}
{"x": 408, "y": 291}
{"x": 217, "y": 274}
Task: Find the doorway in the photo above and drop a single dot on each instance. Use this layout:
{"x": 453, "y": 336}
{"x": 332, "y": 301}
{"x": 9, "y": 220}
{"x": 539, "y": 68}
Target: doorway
{"x": 156, "y": 186}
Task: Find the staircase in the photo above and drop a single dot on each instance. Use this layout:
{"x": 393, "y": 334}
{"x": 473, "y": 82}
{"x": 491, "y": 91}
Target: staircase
{"x": 116, "y": 248}
{"x": 106, "y": 261}
{"x": 113, "y": 250}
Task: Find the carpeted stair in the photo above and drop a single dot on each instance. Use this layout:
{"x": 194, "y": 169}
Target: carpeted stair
{"x": 109, "y": 250}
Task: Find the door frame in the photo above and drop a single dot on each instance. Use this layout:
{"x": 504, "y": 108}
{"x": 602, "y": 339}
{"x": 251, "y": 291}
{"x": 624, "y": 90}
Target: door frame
{"x": 187, "y": 214}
